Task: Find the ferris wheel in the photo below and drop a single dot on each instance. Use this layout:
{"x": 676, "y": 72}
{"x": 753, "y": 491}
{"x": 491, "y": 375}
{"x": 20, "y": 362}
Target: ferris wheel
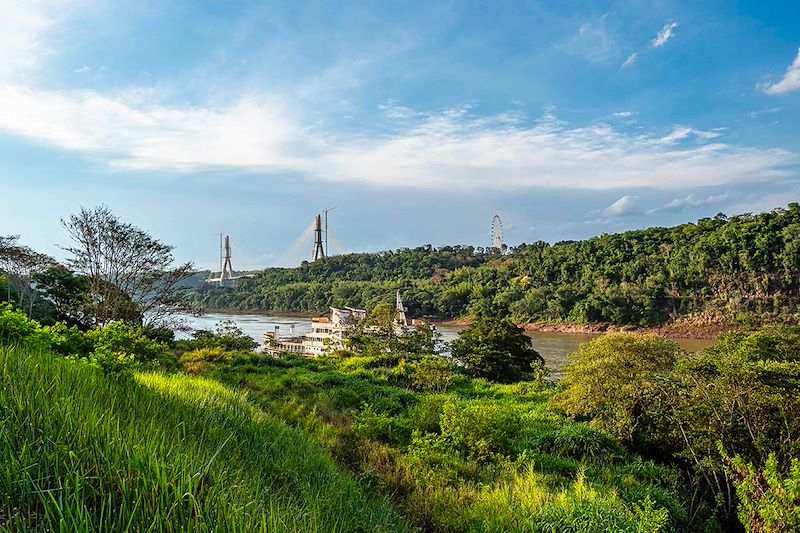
{"x": 497, "y": 233}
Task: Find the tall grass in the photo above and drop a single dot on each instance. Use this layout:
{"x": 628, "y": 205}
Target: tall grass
{"x": 80, "y": 451}
{"x": 477, "y": 457}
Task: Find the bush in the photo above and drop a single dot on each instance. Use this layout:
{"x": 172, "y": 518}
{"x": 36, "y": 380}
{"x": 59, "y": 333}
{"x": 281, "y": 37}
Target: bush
{"x": 16, "y": 327}
{"x": 612, "y": 378}
{"x": 579, "y": 441}
{"x": 371, "y": 424}
{"x": 226, "y": 335}
{"x": 432, "y": 374}
{"x": 741, "y": 392}
{"x": 211, "y": 355}
{"x": 202, "y": 359}
{"x": 480, "y": 428}
{"x": 69, "y": 341}
{"x": 426, "y": 414}
{"x": 119, "y": 347}
{"x": 768, "y": 501}
{"x": 112, "y": 362}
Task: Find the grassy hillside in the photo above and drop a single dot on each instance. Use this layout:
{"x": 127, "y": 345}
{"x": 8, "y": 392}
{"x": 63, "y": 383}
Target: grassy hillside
{"x": 83, "y": 451}
{"x": 458, "y": 454}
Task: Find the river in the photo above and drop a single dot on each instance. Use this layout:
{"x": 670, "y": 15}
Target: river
{"x": 553, "y": 347}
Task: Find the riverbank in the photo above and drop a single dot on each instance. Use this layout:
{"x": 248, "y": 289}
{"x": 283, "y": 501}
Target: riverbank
{"x": 264, "y": 312}
{"x": 673, "y": 331}
{"x": 684, "y": 329}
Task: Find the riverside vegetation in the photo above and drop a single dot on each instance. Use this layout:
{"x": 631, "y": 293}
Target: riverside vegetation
{"x": 121, "y": 425}
{"x": 107, "y": 422}
{"x": 741, "y": 270}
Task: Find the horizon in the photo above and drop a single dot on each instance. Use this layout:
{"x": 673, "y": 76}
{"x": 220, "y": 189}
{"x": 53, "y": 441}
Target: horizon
{"x": 419, "y": 124}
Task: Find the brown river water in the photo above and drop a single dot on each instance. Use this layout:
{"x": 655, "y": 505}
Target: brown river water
{"x": 554, "y": 347}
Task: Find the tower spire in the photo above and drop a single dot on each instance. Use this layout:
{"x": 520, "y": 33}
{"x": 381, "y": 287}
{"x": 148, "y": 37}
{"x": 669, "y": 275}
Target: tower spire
{"x": 319, "y": 249}
{"x": 227, "y": 267}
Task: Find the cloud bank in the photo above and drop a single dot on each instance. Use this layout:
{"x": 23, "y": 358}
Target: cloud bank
{"x": 691, "y": 201}
{"x": 269, "y": 134}
{"x": 453, "y": 148}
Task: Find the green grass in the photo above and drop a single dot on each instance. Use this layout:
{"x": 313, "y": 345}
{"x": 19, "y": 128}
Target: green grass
{"x": 478, "y": 457}
{"x": 81, "y": 451}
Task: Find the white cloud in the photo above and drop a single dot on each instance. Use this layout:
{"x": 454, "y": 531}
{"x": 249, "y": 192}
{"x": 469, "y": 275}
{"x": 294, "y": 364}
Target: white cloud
{"x": 85, "y": 69}
{"x": 134, "y": 132}
{"x": 790, "y": 81}
{"x": 137, "y": 129}
{"x": 664, "y": 35}
{"x": 449, "y": 149}
{"x": 690, "y": 201}
{"x": 21, "y": 40}
{"x": 624, "y": 114}
{"x": 631, "y": 60}
{"x": 625, "y": 206}
{"x": 681, "y": 133}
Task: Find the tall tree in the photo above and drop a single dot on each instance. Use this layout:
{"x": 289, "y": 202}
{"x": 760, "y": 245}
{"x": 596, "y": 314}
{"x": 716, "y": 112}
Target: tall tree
{"x": 20, "y": 263}
{"x": 130, "y": 274}
{"x": 495, "y": 349}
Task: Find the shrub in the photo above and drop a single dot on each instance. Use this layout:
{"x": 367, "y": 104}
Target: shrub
{"x": 432, "y": 374}
{"x": 112, "y": 362}
{"x": 769, "y": 502}
{"x": 16, "y": 327}
{"x": 426, "y": 414}
{"x": 69, "y": 341}
{"x": 226, "y": 335}
{"x": 118, "y": 347}
{"x": 480, "y": 428}
{"x": 203, "y": 359}
{"x": 211, "y": 355}
{"x": 579, "y": 441}
{"x": 612, "y": 378}
{"x": 741, "y": 392}
{"x": 371, "y": 424}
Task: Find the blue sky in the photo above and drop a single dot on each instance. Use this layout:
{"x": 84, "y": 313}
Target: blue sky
{"x": 418, "y": 120}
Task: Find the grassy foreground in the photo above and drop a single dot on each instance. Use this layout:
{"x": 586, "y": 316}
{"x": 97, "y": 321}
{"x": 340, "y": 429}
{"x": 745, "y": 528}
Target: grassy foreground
{"x": 473, "y": 456}
{"x": 81, "y": 451}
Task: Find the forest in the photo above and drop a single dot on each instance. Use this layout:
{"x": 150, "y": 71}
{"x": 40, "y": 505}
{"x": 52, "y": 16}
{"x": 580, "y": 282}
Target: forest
{"x": 739, "y": 270}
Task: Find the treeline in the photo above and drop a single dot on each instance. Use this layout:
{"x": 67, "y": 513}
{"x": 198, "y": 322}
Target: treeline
{"x": 742, "y": 269}
{"x": 114, "y": 272}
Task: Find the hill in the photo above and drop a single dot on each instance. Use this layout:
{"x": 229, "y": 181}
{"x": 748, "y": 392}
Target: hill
{"x": 84, "y": 451}
{"x": 742, "y": 269}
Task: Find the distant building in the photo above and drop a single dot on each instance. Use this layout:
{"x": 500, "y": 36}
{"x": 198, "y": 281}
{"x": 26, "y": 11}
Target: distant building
{"x": 328, "y": 333}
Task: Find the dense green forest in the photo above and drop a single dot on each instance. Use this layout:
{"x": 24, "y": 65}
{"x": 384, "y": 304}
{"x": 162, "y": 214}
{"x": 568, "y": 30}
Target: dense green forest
{"x": 742, "y": 269}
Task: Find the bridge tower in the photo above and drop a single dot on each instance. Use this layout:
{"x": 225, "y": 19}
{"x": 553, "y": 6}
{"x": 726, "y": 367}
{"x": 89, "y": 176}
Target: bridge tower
{"x": 226, "y": 268}
{"x": 319, "y": 249}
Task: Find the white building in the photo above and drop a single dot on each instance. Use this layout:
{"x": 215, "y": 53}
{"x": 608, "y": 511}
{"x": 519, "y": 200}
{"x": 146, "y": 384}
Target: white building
{"x": 326, "y": 335}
